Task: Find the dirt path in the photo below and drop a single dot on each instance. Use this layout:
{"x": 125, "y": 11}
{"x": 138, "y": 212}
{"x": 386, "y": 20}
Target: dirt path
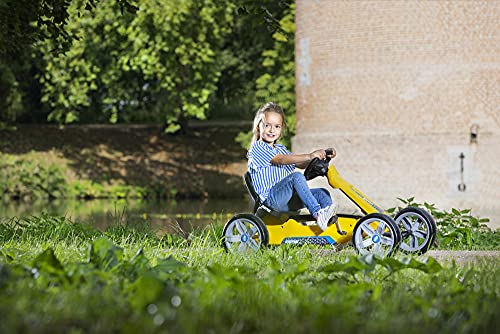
{"x": 463, "y": 257}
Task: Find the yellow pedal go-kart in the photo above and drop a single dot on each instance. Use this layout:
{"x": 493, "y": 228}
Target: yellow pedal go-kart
{"x": 412, "y": 229}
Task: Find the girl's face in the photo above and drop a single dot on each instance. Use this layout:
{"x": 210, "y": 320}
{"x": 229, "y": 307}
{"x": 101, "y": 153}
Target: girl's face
{"x": 270, "y": 127}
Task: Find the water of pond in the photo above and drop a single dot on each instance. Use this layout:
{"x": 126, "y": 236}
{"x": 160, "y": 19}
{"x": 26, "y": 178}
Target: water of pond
{"x": 168, "y": 215}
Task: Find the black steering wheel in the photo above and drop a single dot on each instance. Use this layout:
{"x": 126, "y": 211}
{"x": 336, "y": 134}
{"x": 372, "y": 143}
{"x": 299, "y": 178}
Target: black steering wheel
{"x": 318, "y": 167}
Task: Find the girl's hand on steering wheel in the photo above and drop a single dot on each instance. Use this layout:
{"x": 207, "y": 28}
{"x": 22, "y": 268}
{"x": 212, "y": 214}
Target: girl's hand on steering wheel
{"x": 331, "y": 153}
{"x": 320, "y": 154}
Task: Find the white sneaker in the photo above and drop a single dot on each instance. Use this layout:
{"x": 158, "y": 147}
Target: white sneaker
{"x": 324, "y": 216}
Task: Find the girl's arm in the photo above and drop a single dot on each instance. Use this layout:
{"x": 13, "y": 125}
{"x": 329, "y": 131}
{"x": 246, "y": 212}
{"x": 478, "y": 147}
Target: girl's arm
{"x": 300, "y": 160}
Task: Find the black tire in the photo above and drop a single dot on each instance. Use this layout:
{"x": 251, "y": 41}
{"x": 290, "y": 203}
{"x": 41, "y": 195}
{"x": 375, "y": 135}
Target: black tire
{"x": 418, "y": 230}
{"x": 251, "y": 234}
{"x": 382, "y": 240}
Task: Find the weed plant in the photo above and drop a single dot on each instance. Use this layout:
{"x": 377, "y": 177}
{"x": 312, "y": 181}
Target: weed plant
{"x": 61, "y": 276}
{"x": 458, "y": 229}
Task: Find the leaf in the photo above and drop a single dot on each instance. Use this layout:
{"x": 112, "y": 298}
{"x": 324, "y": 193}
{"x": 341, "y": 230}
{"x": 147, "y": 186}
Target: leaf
{"x": 11, "y": 273}
{"x": 274, "y": 263}
{"x": 368, "y": 262}
{"x": 351, "y": 266}
{"x": 393, "y": 265}
{"x": 172, "y": 128}
{"x": 169, "y": 264}
{"x": 166, "y": 267}
{"x": 104, "y": 253}
{"x": 369, "y": 259}
{"x": 140, "y": 261}
{"x": 145, "y": 290}
{"x": 131, "y": 8}
{"x": 433, "y": 266}
{"x": 428, "y": 266}
{"x": 376, "y": 293}
{"x": 47, "y": 261}
{"x": 10, "y": 254}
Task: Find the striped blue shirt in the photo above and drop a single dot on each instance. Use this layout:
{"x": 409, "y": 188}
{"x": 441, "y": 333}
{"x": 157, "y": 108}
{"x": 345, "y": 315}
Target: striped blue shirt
{"x": 263, "y": 172}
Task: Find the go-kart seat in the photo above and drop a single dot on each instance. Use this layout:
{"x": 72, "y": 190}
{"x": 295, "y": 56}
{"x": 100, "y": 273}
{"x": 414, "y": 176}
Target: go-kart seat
{"x": 255, "y": 201}
{"x": 266, "y": 213}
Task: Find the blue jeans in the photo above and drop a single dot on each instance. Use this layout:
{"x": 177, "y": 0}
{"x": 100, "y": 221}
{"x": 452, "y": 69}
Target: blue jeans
{"x": 283, "y": 195}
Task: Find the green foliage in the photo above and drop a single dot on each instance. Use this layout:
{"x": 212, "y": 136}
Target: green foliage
{"x": 127, "y": 280}
{"x": 162, "y": 62}
{"x": 26, "y": 21}
{"x": 45, "y": 228}
{"x": 244, "y": 139}
{"x": 86, "y": 189}
{"x": 264, "y": 13}
{"x": 169, "y": 62}
{"x": 458, "y": 229}
{"x": 29, "y": 179}
{"x": 10, "y": 95}
{"x": 22, "y": 24}
{"x": 243, "y": 59}
{"x": 277, "y": 84}
{"x": 19, "y": 91}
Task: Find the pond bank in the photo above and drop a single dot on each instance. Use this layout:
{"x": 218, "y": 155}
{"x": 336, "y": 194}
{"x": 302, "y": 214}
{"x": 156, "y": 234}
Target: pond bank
{"x": 203, "y": 162}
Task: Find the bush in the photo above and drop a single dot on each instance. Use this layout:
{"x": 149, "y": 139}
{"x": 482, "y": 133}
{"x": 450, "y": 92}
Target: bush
{"x": 21, "y": 178}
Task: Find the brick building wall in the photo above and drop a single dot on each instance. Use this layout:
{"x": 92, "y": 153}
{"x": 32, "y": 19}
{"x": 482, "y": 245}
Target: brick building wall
{"x": 397, "y": 87}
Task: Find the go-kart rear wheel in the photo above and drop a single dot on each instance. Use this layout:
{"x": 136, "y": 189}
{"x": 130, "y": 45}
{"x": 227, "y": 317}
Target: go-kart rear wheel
{"x": 418, "y": 230}
{"x": 376, "y": 234}
{"x": 245, "y": 233}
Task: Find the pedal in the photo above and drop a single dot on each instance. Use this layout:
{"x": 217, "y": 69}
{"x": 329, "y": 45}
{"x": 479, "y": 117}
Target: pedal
{"x": 335, "y": 220}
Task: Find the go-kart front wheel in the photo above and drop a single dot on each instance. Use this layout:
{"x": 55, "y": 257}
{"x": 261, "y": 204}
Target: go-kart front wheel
{"x": 376, "y": 234}
{"x": 418, "y": 230}
{"x": 245, "y": 233}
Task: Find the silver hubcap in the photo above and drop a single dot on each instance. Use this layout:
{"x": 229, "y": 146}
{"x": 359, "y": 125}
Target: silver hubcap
{"x": 242, "y": 235}
{"x": 415, "y": 231}
{"x": 374, "y": 237}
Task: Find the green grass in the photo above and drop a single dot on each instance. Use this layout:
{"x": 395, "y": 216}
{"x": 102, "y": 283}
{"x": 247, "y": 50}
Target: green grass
{"x": 59, "y": 276}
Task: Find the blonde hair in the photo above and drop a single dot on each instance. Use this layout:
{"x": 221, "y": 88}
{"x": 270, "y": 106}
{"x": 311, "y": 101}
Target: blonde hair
{"x": 260, "y": 116}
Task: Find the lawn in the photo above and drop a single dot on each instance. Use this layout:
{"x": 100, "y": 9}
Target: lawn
{"x": 60, "y": 276}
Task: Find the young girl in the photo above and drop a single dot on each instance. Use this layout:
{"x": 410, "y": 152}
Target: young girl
{"x": 271, "y": 168}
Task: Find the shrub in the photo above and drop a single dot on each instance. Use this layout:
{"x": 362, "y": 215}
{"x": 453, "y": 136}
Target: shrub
{"x": 22, "y": 178}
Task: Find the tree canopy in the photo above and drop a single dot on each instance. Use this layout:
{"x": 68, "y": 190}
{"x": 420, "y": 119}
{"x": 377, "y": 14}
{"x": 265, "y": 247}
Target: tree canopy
{"x": 165, "y": 61}
{"x": 27, "y": 21}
